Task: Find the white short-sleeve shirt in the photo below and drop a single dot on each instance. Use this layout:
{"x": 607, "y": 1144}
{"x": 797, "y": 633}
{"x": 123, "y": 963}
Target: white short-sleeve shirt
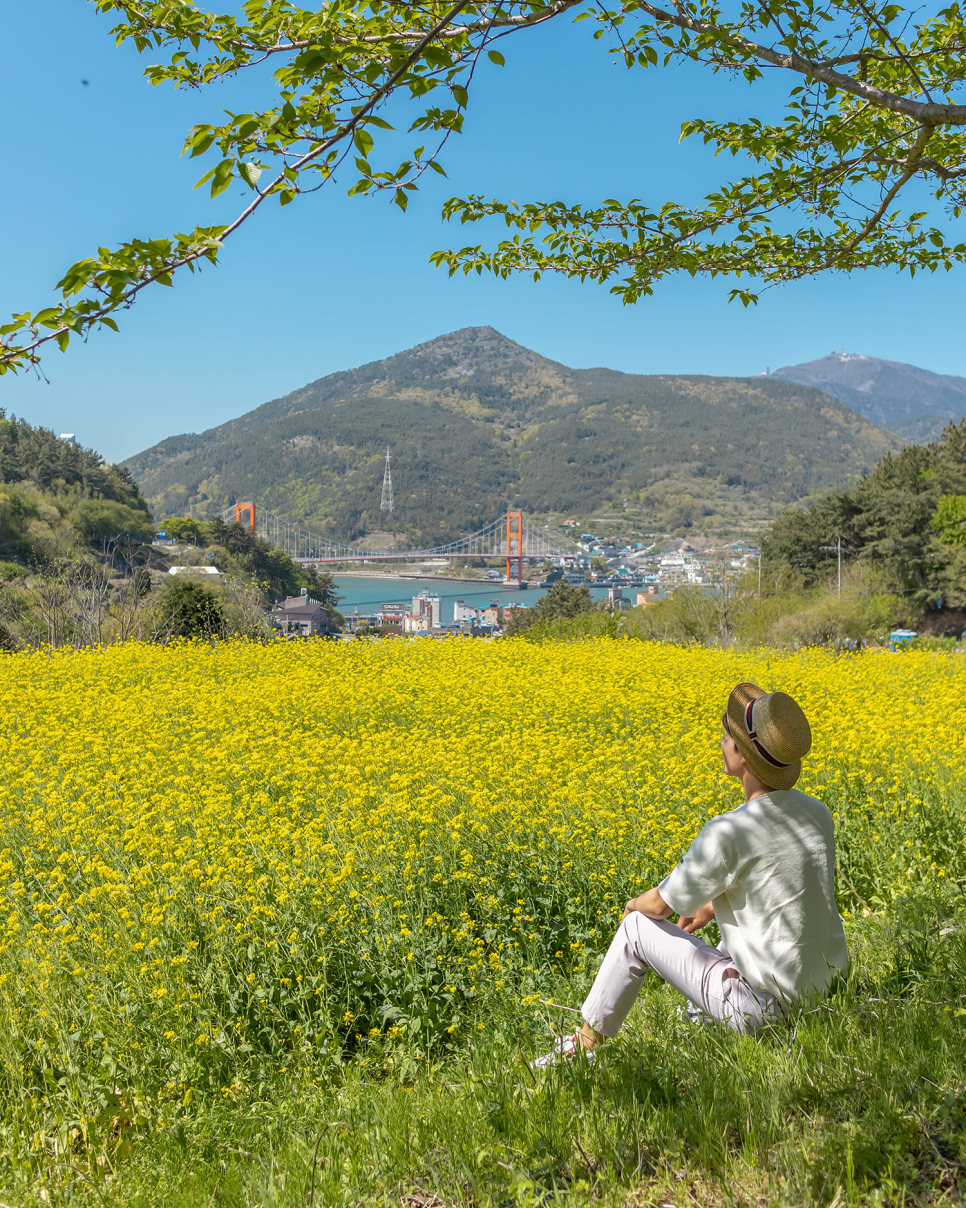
{"x": 768, "y": 867}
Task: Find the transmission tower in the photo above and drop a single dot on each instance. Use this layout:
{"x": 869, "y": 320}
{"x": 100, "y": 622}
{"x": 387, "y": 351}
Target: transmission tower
{"x": 387, "y": 505}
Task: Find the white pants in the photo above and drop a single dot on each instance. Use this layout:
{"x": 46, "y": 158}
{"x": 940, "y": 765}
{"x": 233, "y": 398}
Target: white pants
{"x": 703, "y": 974}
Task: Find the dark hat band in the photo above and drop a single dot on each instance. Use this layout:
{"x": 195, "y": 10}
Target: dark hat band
{"x": 759, "y": 745}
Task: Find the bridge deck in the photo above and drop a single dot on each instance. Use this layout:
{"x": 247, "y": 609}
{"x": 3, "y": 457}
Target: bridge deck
{"x": 511, "y": 538}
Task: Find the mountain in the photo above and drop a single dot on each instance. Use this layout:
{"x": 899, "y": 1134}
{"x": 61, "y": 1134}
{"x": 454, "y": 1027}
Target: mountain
{"x": 912, "y": 402}
{"x": 477, "y": 423}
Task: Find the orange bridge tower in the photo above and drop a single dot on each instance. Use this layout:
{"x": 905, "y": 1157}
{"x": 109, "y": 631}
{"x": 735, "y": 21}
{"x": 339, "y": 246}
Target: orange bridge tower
{"x": 514, "y": 543}
{"x": 240, "y": 510}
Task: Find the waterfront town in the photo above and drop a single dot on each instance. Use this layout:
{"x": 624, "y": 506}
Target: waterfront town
{"x": 631, "y": 575}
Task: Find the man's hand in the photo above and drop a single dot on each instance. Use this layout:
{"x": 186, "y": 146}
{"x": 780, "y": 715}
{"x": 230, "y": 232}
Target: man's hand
{"x": 650, "y": 903}
{"x": 701, "y": 918}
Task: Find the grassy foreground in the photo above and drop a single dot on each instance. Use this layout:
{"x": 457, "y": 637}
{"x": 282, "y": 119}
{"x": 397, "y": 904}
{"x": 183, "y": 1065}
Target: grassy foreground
{"x": 862, "y": 1103}
{"x": 278, "y": 922}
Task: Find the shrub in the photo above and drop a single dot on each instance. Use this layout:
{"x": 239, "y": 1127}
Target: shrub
{"x": 562, "y": 602}
{"x": 11, "y": 571}
{"x": 100, "y": 518}
{"x": 182, "y": 528}
{"x": 188, "y": 609}
{"x": 938, "y": 645}
{"x": 141, "y": 583}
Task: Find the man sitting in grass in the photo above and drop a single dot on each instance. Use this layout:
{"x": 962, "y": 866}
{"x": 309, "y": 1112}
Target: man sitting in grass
{"x": 764, "y": 872}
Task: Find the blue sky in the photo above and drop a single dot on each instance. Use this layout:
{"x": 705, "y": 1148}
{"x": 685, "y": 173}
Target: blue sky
{"x": 330, "y": 283}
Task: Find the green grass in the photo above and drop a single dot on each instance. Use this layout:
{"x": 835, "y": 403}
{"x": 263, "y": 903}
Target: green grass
{"x": 861, "y": 1101}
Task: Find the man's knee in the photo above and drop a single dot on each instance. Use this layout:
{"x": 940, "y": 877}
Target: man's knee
{"x": 637, "y": 926}
{"x": 638, "y": 933}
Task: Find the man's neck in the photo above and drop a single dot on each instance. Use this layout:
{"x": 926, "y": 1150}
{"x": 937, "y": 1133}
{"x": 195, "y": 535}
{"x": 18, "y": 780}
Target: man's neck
{"x": 753, "y": 786}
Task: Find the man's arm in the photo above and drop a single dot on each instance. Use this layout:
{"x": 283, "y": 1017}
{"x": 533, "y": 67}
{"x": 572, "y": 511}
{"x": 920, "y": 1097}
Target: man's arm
{"x": 650, "y": 903}
{"x": 655, "y": 907}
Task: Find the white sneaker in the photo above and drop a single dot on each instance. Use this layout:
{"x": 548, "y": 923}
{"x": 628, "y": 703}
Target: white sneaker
{"x": 691, "y": 1013}
{"x": 563, "y": 1050}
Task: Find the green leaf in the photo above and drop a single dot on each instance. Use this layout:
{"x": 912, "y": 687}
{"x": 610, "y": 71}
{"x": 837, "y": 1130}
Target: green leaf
{"x": 250, "y": 174}
{"x": 460, "y": 95}
{"x": 201, "y": 143}
{"x": 207, "y": 176}
{"x": 222, "y": 177}
{"x": 363, "y": 142}
{"x": 495, "y": 57}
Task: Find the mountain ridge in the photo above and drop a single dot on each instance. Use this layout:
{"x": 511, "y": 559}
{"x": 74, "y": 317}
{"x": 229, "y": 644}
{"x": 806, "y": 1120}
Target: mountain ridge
{"x": 914, "y": 403}
{"x": 478, "y": 423}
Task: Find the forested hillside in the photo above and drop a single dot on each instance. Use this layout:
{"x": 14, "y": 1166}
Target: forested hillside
{"x": 55, "y": 495}
{"x": 477, "y": 423}
{"x": 908, "y": 517}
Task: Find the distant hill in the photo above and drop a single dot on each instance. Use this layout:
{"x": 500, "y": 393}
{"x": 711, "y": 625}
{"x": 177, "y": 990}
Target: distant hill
{"x": 477, "y": 423}
{"x": 56, "y": 495}
{"x": 912, "y": 402}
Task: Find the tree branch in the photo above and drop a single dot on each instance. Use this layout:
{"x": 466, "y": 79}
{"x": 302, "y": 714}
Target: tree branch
{"x": 871, "y": 56}
{"x": 925, "y": 164}
{"x": 452, "y": 31}
{"x": 924, "y": 113}
{"x": 886, "y": 33}
{"x": 9, "y": 355}
{"x": 911, "y": 164}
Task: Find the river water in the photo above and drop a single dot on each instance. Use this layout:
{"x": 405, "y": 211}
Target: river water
{"x": 368, "y": 594}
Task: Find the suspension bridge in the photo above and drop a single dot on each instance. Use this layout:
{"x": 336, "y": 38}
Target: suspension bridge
{"x": 511, "y": 538}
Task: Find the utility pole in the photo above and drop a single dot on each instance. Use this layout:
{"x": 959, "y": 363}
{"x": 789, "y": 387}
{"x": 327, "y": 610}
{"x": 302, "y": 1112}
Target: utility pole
{"x": 387, "y": 505}
{"x": 838, "y": 549}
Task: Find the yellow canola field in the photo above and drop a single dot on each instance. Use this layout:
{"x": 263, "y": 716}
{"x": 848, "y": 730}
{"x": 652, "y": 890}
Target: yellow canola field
{"x": 213, "y": 857}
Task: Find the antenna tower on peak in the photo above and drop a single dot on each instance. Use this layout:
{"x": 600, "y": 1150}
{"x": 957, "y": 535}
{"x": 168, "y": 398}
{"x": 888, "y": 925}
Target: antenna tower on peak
{"x": 387, "y": 504}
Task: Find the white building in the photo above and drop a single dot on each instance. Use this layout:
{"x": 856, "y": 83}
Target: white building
{"x": 463, "y": 612}
{"x": 428, "y": 604}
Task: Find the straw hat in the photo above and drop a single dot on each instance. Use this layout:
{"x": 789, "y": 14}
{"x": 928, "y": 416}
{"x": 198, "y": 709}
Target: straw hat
{"x": 771, "y": 732}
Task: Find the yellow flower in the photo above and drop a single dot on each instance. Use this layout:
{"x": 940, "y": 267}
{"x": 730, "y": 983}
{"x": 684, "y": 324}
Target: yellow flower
{"x": 452, "y": 818}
